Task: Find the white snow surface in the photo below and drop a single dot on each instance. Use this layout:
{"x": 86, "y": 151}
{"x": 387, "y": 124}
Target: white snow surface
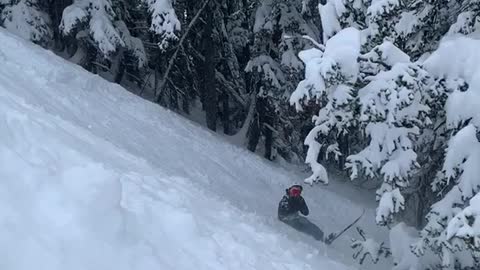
{"x": 94, "y": 177}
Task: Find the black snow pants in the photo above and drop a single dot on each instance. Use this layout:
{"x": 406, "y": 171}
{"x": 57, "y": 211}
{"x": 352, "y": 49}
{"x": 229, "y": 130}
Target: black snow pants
{"x": 304, "y": 225}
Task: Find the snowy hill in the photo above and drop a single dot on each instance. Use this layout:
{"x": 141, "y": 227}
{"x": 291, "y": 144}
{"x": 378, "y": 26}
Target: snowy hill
{"x": 94, "y": 177}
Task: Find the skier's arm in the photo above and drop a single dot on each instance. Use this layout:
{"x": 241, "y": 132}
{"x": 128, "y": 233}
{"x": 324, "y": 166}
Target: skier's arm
{"x": 283, "y": 208}
{"x": 303, "y": 207}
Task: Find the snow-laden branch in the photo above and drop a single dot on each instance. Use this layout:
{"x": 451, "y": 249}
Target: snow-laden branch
{"x": 314, "y": 42}
{"x": 164, "y": 21}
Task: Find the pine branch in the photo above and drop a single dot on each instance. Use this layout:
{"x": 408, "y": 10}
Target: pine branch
{"x": 366, "y": 59}
{"x": 315, "y": 43}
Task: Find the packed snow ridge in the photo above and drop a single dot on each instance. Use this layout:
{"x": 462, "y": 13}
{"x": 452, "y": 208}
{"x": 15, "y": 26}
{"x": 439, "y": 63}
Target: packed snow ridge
{"x": 93, "y": 177}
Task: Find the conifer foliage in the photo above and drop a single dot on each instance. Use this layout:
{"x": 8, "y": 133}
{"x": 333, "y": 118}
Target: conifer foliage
{"x": 28, "y": 19}
{"x": 395, "y": 100}
{"x": 94, "y": 20}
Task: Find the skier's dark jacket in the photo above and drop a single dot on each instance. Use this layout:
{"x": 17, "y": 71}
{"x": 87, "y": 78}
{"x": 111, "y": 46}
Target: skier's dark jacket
{"x": 289, "y": 206}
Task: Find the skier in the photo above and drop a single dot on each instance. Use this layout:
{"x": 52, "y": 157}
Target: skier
{"x": 288, "y": 209}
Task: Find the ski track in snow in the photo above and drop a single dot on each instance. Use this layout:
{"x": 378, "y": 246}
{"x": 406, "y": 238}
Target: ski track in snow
{"x": 94, "y": 177}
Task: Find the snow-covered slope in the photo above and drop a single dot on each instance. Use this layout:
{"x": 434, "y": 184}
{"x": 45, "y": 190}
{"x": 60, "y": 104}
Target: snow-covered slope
{"x": 93, "y": 177}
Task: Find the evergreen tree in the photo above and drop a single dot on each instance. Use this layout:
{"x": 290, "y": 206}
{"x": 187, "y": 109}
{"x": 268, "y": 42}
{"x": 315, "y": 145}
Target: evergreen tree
{"x": 393, "y": 114}
{"x": 467, "y": 21}
{"x": 379, "y": 95}
{"x": 28, "y": 19}
{"x": 92, "y": 22}
{"x": 274, "y": 70}
{"x": 100, "y": 29}
{"x": 415, "y": 27}
{"x": 164, "y": 21}
{"x": 329, "y": 80}
{"x": 406, "y": 114}
{"x": 450, "y": 230}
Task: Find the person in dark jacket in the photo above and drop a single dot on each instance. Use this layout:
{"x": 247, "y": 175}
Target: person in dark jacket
{"x": 292, "y": 203}
{"x": 288, "y": 208}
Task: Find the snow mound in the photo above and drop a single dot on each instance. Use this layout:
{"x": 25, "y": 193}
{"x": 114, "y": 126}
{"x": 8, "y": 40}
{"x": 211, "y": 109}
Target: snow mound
{"x": 95, "y": 178}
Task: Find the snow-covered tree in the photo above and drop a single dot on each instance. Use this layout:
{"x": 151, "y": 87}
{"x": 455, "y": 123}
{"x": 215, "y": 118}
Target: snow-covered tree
{"x": 391, "y": 109}
{"x": 100, "y": 30}
{"x": 465, "y": 225}
{"x": 451, "y": 224}
{"x": 133, "y": 46}
{"x": 95, "y": 20}
{"x": 164, "y": 21}
{"x": 330, "y": 77}
{"x": 457, "y": 64}
{"x": 468, "y": 21}
{"x": 393, "y": 113}
{"x": 413, "y": 26}
{"x": 28, "y": 19}
{"x": 450, "y": 231}
{"x": 447, "y": 223}
{"x": 274, "y": 70}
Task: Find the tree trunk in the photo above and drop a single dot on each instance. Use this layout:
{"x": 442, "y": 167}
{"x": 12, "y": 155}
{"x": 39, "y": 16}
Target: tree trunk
{"x": 118, "y": 66}
{"x": 254, "y": 134}
{"x": 268, "y": 143}
{"x": 255, "y": 131}
{"x": 225, "y": 113}
{"x": 173, "y": 98}
{"x": 211, "y": 98}
{"x": 55, "y": 8}
{"x": 343, "y": 148}
{"x": 156, "y": 76}
{"x": 423, "y": 205}
{"x": 268, "y": 123}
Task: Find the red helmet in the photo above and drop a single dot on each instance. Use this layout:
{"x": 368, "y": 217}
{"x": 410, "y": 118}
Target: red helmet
{"x": 295, "y": 190}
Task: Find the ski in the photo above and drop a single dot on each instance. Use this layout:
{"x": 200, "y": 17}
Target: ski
{"x": 333, "y": 236}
